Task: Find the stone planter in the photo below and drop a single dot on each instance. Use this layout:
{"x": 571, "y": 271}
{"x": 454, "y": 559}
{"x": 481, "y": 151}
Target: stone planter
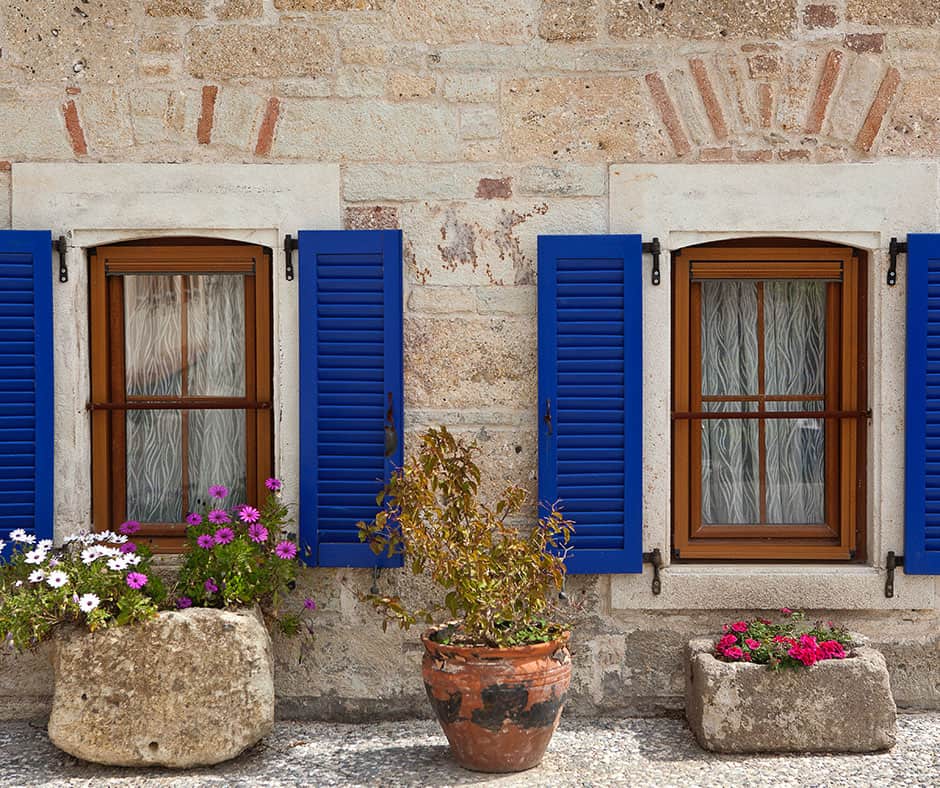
{"x": 834, "y": 706}
{"x": 190, "y": 688}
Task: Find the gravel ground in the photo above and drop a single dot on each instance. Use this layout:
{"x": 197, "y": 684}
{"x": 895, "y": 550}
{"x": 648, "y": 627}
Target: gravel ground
{"x": 584, "y": 752}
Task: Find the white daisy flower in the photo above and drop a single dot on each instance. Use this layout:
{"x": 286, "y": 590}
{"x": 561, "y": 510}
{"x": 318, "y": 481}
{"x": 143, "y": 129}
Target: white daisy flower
{"x": 88, "y": 602}
{"x": 132, "y": 559}
{"x": 57, "y": 579}
{"x": 44, "y": 544}
{"x": 108, "y": 551}
{"x": 18, "y": 583}
{"x": 36, "y": 556}
{"x": 90, "y": 555}
{"x": 118, "y": 539}
{"x": 105, "y": 536}
{"x": 117, "y": 564}
{"x": 2, "y": 545}
{"x": 37, "y": 576}
{"x": 71, "y": 538}
{"x": 19, "y": 535}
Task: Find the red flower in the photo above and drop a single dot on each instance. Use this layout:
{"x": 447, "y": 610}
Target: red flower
{"x": 734, "y": 653}
{"x": 739, "y": 626}
{"x": 752, "y": 644}
{"x": 727, "y": 641}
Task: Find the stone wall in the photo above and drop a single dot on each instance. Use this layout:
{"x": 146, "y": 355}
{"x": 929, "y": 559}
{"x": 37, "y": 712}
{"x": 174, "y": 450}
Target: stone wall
{"x": 475, "y": 125}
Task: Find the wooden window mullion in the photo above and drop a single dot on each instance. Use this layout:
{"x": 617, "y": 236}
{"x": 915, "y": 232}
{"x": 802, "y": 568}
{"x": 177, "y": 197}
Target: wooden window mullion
{"x": 184, "y": 389}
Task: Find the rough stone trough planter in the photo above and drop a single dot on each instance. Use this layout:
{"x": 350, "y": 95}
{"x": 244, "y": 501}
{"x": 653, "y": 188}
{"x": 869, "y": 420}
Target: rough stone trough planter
{"x": 189, "y": 688}
{"x": 838, "y": 705}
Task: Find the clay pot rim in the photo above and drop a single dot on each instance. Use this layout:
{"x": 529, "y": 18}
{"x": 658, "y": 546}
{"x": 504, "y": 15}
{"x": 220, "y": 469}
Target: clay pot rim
{"x": 547, "y": 648}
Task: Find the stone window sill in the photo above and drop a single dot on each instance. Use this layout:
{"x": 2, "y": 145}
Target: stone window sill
{"x": 767, "y": 587}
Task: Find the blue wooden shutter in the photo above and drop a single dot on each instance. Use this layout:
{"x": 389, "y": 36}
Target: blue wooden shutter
{"x": 351, "y": 390}
{"x": 590, "y": 385}
{"x": 922, "y": 418}
{"x": 26, "y": 390}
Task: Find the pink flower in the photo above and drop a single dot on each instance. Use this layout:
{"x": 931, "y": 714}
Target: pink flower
{"x": 752, "y": 644}
{"x": 193, "y": 518}
{"x": 136, "y": 580}
{"x": 285, "y": 550}
{"x": 257, "y": 533}
{"x": 727, "y": 640}
{"x": 734, "y": 653}
{"x": 273, "y": 484}
{"x": 786, "y": 611}
{"x": 130, "y": 527}
{"x": 205, "y": 541}
{"x": 219, "y": 516}
{"x": 128, "y": 547}
{"x": 224, "y": 536}
{"x": 248, "y": 514}
{"x": 739, "y": 626}
{"x": 310, "y": 604}
{"x": 832, "y": 649}
{"x": 218, "y": 491}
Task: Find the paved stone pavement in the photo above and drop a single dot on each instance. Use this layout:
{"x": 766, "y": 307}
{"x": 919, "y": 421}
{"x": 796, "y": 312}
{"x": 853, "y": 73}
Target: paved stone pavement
{"x": 584, "y": 752}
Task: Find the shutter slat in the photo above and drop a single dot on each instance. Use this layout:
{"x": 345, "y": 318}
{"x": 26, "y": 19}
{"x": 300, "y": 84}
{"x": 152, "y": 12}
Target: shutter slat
{"x": 26, "y": 383}
{"x": 351, "y": 360}
{"x": 590, "y": 367}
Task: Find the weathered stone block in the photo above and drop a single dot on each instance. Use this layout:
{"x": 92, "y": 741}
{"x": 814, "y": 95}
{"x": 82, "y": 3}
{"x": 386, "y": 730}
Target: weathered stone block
{"x": 720, "y": 19}
{"x": 914, "y": 128}
{"x": 568, "y": 20}
{"x": 31, "y": 128}
{"x": 479, "y": 122}
{"x": 162, "y": 116}
{"x": 189, "y": 688}
{"x": 239, "y": 9}
{"x": 373, "y": 217}
{"x": 227, "y": 51}
{"x": 452, "y": 21}
{"x": 896, "y": 13}
{"x": 464, "y": 87}
{"x": 593, "y": 119}
{"x": 835, "y": 706}
{"x": 237, "y": 116}
{"x": 194, "y": 9}
{"x": 330, "y": 5}
{"x": 106, "y": 119}
{"x": 354, "y": 82}
{"x": 403, "y": 86}
{"x": 564, "y": 180}
{"x": 820, "y": 16}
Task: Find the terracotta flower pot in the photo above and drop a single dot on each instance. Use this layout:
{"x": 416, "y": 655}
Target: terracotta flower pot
{"x": 498, "y": 706}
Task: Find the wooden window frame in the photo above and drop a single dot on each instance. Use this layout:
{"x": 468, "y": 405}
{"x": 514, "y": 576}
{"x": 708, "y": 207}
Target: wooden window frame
{"x": 842, "y": 536}
{"x": 109, "y": 401}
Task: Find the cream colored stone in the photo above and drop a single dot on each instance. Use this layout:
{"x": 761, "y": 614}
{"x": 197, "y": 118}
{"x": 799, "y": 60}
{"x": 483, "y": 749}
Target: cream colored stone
{"x": 896, "y": 13}
{"x": 564, "y": 180}
{"x": 4, "y": 199}
{"x": 193, "y": 9}
{"x": 801, "y": 76}
{"x": 189, "y": 688}
{"x": 236, "y": 117}
{"x": 476, "y": 87}
{"x": 106, "y": 117}
{"x": 717, "y": 19}
{"x": 415, "y": 182}
{"x": 159, "y": 43}
{"x": 517, "y": 300}
{"x": 352, "y": 82}
{"x": 568, "y": 20}
{"x": 365, "y": 45}
{"x": 159, "y": 116}
{"x": 591, "y": 119}
{"x": 402, "y": 86}
{"x": 454, "y": 21}
{"x": 437, "y": 300}
{"x": 914, "y": 125}
{"x": 231, "y": 51}
{"x": 330, "y": 5}
{"x": 479, "y": 122}
{"x": 32, "y": 128}
{"x": 366, "y": 131}
{"x": 849, "y": 107}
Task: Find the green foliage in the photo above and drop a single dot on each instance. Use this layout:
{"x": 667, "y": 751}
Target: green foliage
{"x": 496, "y": 578}
{"x": 86, "y": 582}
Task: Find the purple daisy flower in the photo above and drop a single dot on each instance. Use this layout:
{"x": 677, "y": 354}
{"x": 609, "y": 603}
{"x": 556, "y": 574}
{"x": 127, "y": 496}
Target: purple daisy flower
{"x": 218, "y": 491}
{"x": 210, "y": 586}
{"x": 257, "y": 533}
{"x": 274, "y": 485}
{"x": 224, "y": 536}
{"x": 136, "y": 580}
{"x": 128, "y": 547}
{"x": 219, "y": 516}
{"x": 310, "y": 604}
{"x": 183, "y": 602}
{"x": 248, "y": 514}
{"x": 194, "y": 518}
{"x": 130, "y": 527}
{"x": 205, "y": 541}
{"x": 285, "y": 550}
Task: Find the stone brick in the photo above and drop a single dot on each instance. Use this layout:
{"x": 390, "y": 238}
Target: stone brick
{"x": 568, "y": 20}
{"x": 32, "y": 128}
{"x": 668, "y": 114}
{"x": 57, "y": 39}
{"x": 353, "y": 82}
{"x": 156, "y": 69}
{"x": 820, "y": 16}
{"x": 403, "y": 86}
{"x": 471, "y": 87}
{"x": 563, "y": 180}
{"x": 765, "y": 104}
{"x": 73, "y": 126}
{"x": 763, "y": 66}
{"x": 850, "y": 105}
{"x": 106, "y": 112}
{"x": 453, "y": 21}
{"x": 709, "y": 98}
{"x": 716, "y": 154}
{"x": 207, "y": 116}
{"x": 159, "y": 43}
{"x": 232, "y": 51}
{"x": 479, "y": 122}
{"x": 879, "y": 107}
{"x": 236, "y": 114}
{"x": 718, "y": 19}
{"x": 824, "y": 90}
{"x": 367, "y": 131}
{"x": 793, "y": 155}
{"x": 797, "y": 89}
{"x": 442, "y": 300}
{"x": 896, "y": 13}
{"x": 494, "y": 188}
{"x": 268, "y": 126}
{"x": 865, "y": 42}
{"x": 592, "y": 119}
{"x": 372, "y": 217}
{"x": 239, "y": 9}
{"x": 330, "y": 5}
{"x": 414, "y": 182}
{"x": 754, "y": 155}
{"x": 162, "y": 116}
{"x": 516, "y": 300}
{"x": 194, "y": 9}
{"x": 914, "y": 128}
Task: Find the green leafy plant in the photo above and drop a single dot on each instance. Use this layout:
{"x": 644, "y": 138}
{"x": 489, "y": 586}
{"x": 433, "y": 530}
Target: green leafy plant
{"x": 497, "y": 579}
{"x": 95, "y": 580}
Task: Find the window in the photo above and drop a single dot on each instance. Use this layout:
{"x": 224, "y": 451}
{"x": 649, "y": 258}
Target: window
{"x": 181, "y": 378}
{"x": 769, "y": 402}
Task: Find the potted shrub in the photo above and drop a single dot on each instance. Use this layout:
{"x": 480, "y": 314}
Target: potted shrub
{"x": 788, "y": 687}
{"x": 191, "y": 683}
{"x": 497, "y": 674}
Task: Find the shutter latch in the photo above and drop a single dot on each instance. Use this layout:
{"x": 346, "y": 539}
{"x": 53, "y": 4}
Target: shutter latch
{"x": 893, "y": 562}
{"x": 653, "y": 248}
{"x": 290, "y": 244}
{"x": 655, "y": 557}
{"x": 60, "y": 247}
{"x": 895, "y": 248}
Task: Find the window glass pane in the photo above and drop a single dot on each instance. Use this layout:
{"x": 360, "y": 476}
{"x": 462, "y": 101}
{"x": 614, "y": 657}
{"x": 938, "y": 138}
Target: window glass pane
{"x": 795, "y": 336}
{"x": 729, "y": 337}
{"x": 154, "y": 466}
{"x": 217, "y": 455}
{"x": 730, "y": 467}
{"x": 152, "y": 335}
{"x": 796, "y": 467}
{"x": 216, "y": 335}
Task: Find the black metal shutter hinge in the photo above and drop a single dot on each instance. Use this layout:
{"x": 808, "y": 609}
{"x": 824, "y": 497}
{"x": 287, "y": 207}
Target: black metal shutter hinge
{"x": 290, "y": 244}
{"x": 655, "y": 557}
{"x": 895, "y": 248}
{"x": 653, "y": 248}
{"x": 59, "y": 245}
{"x": 893, "y": 562}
